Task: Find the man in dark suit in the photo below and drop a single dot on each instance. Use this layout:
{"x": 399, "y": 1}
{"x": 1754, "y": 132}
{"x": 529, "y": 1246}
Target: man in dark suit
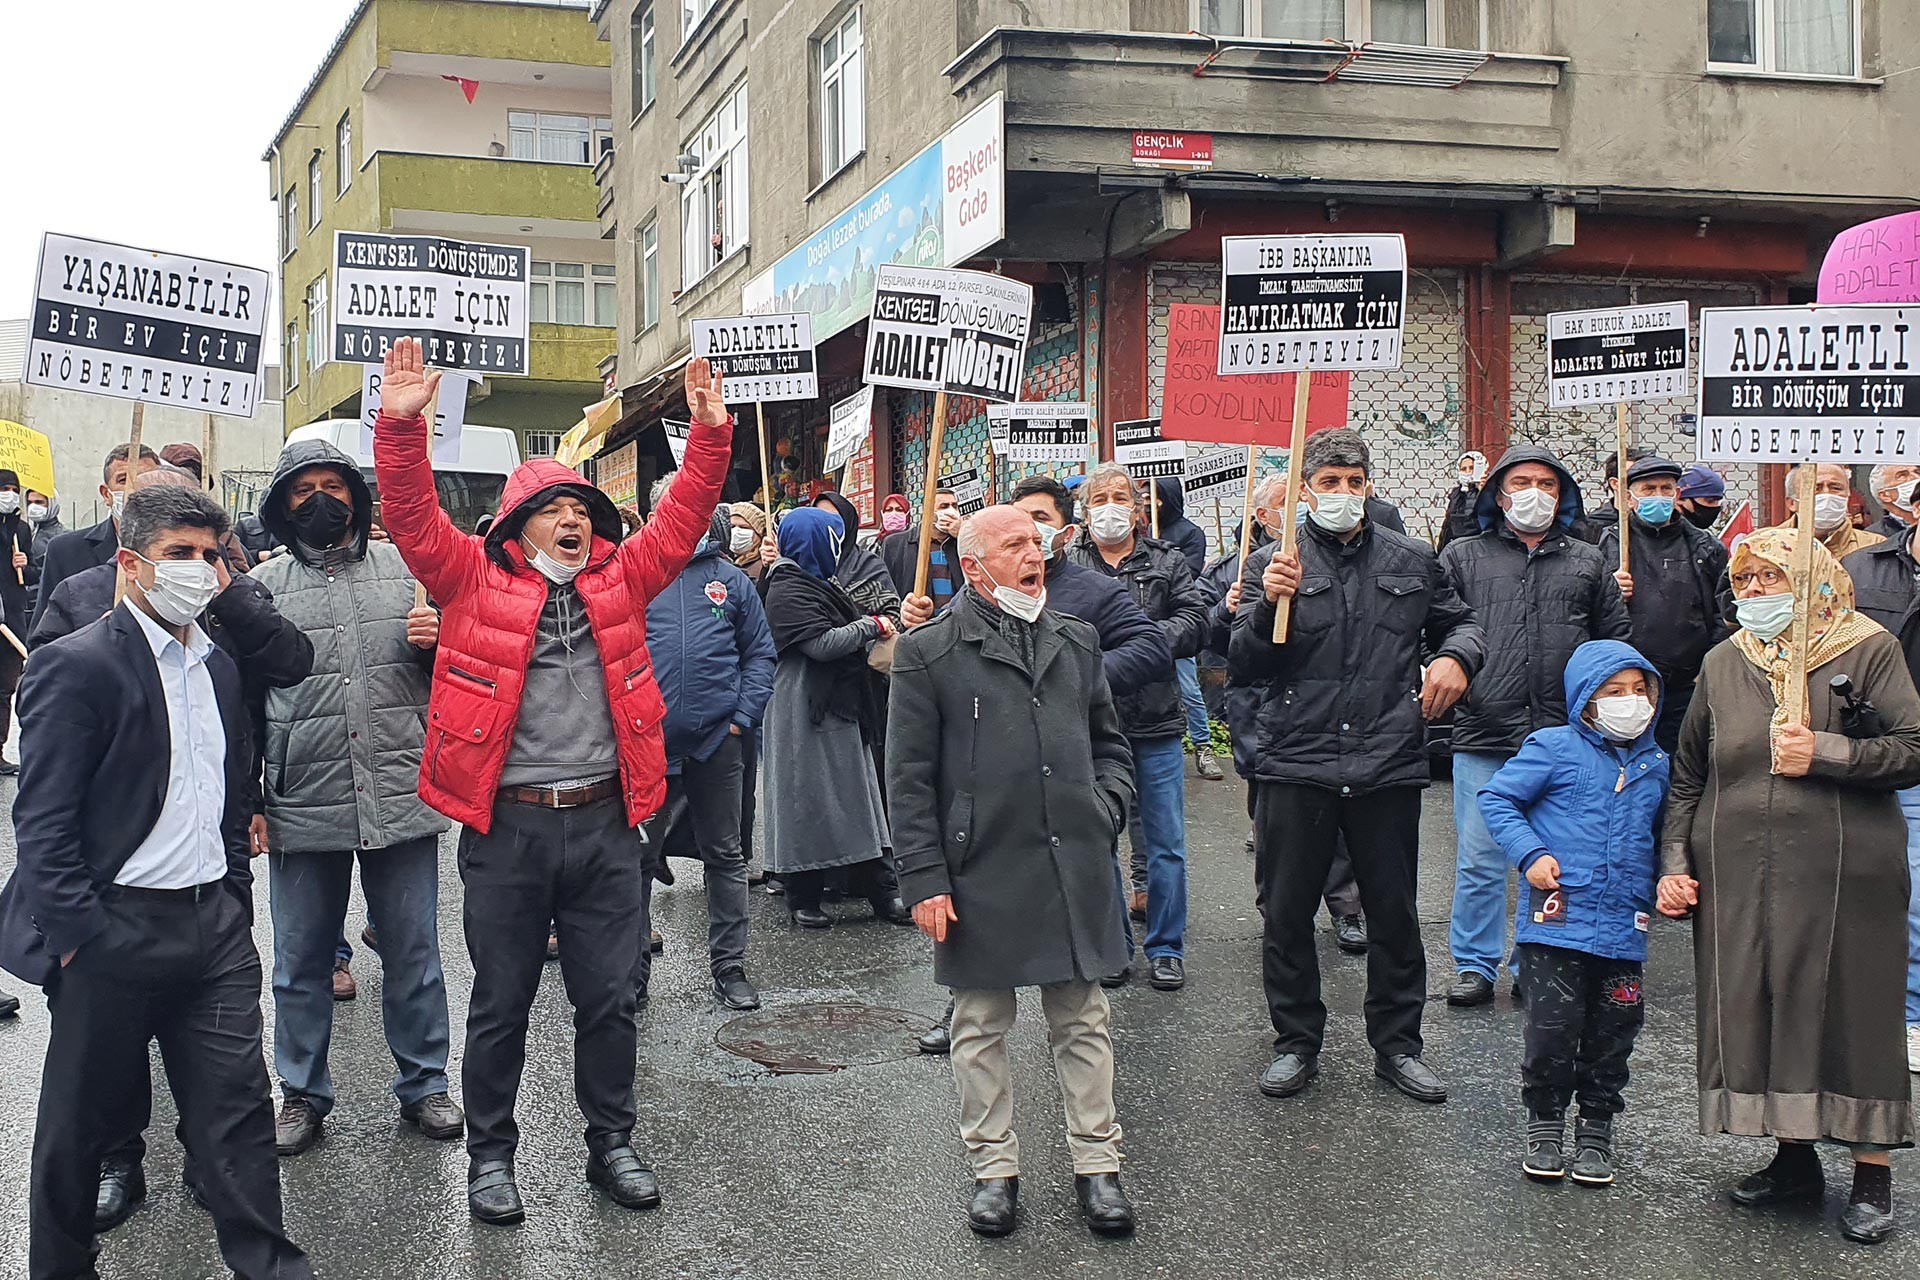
{"x": 131, "y": 898}
{"x": 84, "y": 548}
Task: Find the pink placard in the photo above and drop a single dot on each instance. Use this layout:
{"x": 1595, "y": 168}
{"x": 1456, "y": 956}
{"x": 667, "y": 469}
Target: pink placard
{"x": 1877, "y": 261}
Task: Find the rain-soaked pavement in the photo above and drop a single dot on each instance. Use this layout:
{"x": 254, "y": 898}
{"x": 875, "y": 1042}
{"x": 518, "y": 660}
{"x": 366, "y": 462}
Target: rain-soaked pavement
{"x": 858, "y": 1172}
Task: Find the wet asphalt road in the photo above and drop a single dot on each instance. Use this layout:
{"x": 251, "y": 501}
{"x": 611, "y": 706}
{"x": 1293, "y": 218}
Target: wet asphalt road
{"x": 860, "y": 1173}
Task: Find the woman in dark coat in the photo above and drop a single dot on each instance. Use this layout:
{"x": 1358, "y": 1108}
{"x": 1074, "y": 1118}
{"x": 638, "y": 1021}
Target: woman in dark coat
{"x": 1788, "y": 842}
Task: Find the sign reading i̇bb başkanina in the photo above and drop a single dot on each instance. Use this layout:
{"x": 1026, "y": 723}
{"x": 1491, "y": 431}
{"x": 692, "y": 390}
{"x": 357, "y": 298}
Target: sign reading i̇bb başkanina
{"x": 1311, "y": 302}
{"x": 963, "y": 332}
{"x": 155, "y": 327}
{"x": 465, "y": 301}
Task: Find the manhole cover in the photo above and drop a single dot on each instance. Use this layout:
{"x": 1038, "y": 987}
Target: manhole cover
{"x": 814, "y": 1039}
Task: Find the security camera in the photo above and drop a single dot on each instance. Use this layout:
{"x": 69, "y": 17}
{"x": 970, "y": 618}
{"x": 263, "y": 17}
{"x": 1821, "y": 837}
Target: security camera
{"x": 677, "y": 179}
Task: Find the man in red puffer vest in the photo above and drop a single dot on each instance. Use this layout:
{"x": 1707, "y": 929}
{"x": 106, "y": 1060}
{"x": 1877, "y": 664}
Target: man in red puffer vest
{"x": 544, "y": 739}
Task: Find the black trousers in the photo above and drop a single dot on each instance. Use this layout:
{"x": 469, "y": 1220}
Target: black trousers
{"x": 749, "y": 791}
{"x": 1583, "y": 1014}
{"x": 1297, "y": 832}
{"x": 180, "y": 967}
{"x": 579, "y": 869}
{"x": 1342, "y": 892}
{"x": 704, "y": 798}
{"x": 871, "y": 879}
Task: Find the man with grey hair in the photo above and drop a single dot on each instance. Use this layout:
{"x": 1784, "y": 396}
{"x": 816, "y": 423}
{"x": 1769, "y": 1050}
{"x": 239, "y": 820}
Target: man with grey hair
{"x": 1832, "y": 522}
{"x": 713, "y": 659}
{"x": 1339, "y": 751}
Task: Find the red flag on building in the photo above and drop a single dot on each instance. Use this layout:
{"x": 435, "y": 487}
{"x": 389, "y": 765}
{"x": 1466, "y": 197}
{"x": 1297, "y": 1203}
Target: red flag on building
{"x": 1739, "y": 526}
{"x": 468, "y": 87}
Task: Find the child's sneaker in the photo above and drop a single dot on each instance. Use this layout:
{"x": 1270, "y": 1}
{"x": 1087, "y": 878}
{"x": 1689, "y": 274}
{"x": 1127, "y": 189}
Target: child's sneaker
{"x": 1593, "y": 1152}
{"x": 1545, "y": 1137}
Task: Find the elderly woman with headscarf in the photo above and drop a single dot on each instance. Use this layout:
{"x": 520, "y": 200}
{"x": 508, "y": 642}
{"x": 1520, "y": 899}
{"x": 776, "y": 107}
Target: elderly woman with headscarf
{"x": 860, "y": 572}
{"x": 824, "y": 808}
{"x": 1788, "y": 843}
{"x": 749, "y": 530}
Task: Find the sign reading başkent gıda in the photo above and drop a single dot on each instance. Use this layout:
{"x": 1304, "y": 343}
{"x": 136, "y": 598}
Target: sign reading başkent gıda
{"x": 465, "y": 301}
{"x": 963, "y": 332}
{"x": 760, "y": 358}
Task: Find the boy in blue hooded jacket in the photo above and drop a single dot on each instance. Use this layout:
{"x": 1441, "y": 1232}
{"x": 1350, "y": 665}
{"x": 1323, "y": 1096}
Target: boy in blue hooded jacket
{"x": 1578, "y": 811}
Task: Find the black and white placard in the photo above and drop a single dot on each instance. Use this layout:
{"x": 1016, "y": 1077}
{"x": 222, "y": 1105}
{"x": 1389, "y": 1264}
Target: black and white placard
{"x": 1797, "y": 384}
{"x": 760, "y": 358}
{"x": 1041, "y": 430}
{"x": 963, "y": 332}
{"x": 1618, "y": 355}
{"x": 1311, "y": 302}
{"x": 449, "y": 415}
{"x": 968, "y": 489}
{"x": 465, "y": 301}
{"x": 849, "y": 424}
{"x": 1145, "y": 453}
{"x": 1216, "y": 476}
{"x": 156, "y": 327}
{"x": 677, "y": 433}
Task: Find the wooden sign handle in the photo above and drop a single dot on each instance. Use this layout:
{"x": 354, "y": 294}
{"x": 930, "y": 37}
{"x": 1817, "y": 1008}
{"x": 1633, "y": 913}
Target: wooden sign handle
{"x": 936, "y": 440}
{"x": 1153, "y": 502}
{"x": 1296, "y": 445}
{"x": 766, "y": 477}
{"x": 1246, "y": 516}
{"x": 1801, "y": 572}
{"x": 1620, "y": 483}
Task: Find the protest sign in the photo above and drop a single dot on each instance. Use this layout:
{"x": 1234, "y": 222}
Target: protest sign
{"x": 1617, "y": 355}
{"x": 849, "y": 424}
{"x": 967, "y": 488}
{"x": 617, "y": 474}
{"x": 1144, "y": 452}
{"x": 154, "y": 328}
{"x": 28, "y": 454}
{"x": 1214, "y": 477}
{"x": 1311, "y": 302}
{"x": 464, "y": 300}
{"x": 961, "y": 332}
{"x": 1877, "y": 261}
{"x": 677, "y": 433}
{"x": 1197, "y": 403}
{"x": 760, "y": 357}
{"x": 1042, "y": 430}
{"x": 449, "y": 417}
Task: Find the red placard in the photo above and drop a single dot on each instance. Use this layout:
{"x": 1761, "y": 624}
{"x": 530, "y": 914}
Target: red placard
{"x": 1158, "y": 149}
{"x": 1196, "y": 403}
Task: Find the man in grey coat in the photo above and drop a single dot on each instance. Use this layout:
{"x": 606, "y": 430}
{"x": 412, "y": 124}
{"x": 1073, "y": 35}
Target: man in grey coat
{"x": 342, "y": 758}
{"x": 1008, "y": 779}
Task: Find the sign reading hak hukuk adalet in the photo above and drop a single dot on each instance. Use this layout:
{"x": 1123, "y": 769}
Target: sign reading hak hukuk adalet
{"x": 962, "y": 332}
{"x": 760, "y": 358}
{"x": 1145, "y": 453}
{"x": 1041, "y": 430}
{"x": 156, "y": 327}
{"x": 1311, "y": 302}
{"x": 1797, "y": 384}
{"x": 465, "y": 301}
{"x": 849, "y": 423}
{"x": 1619, "y": 355}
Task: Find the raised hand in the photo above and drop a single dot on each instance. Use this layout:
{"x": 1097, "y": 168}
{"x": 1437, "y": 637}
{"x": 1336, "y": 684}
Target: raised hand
{"x": 704, "y": 400}
{"x": 406, "y": 384}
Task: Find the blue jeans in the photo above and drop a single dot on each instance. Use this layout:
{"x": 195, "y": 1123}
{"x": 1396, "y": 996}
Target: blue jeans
{"x": 309, "y": 898}
{"x": 1188, "y": 672}
{"x": 1910, "y": 805}
{"x": 1478, "y": 934}
{"x": 1160, "y": 785}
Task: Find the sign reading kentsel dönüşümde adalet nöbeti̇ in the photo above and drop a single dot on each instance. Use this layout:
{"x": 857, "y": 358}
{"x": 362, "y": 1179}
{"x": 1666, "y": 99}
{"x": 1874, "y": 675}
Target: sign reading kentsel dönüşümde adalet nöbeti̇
{"x": 963, "y": 332}
{"x": 465, "y": 301}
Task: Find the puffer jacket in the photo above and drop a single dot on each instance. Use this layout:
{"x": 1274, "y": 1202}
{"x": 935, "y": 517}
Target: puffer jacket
{"x": 712, "y": 651}
{"x": 1596, "y": 807}
{"x": 1338, "y": 705}
{"x": 342, "y": 747}
{"x": 1536, "y": 608}
{"x": 490, "y": 600}
{"x": 1682, "y": 602}
{"x": 1163, "y": 586}
{"x": 1885, "y": 589}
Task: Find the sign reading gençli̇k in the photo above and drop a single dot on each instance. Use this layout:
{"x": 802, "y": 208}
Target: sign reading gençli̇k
{"x": 465, "y": 301}
{"x": 1197, "y": 403}
{"x": 962, "y": 332}
{"x": 1616, "y": 356}
{"x": 154, "y": 327}
{"x": 760, "y": 358}
{"x": 1156, "y": 149}
{"x": 1794, "y": 384}
{"x": 1312, "y": 302}
{"x": 1041, "y": 430}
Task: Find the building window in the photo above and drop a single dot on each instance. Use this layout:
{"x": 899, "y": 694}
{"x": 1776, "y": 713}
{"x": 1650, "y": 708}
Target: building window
{"x": 343, "y": 153}
{"x": 843, "y": 109}
{"x": 691, "y": 12}
{"x": 558, "y": 139}
{"x": 542, "y": 444}
{"x": 558, "y": 293}
{"x": 713, "y": 204}
{"x": 1357, "y": 21}
{"x": 292, "y": 357}
{"x": 317, "y": 322}
{"x": 643, "y": 45}
{"x": 648, "y": 250}
{"x": 313, "y": 192}
{"x": 1785, "y": 37}
{"x": 290, "y": 230}
{"x": 606, "y": 294}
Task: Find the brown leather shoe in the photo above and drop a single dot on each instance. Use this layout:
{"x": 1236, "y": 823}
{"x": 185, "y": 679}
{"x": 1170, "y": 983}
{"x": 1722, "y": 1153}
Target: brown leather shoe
{"x": 344, "y": 987}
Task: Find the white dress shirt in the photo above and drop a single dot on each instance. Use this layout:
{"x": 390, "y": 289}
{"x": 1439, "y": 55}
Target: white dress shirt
{"x": 184, "y": 848}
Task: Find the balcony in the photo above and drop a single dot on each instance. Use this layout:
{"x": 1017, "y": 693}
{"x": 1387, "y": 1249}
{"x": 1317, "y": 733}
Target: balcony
{"x": 480, "y": 195}
{"x": 567, "y": 353}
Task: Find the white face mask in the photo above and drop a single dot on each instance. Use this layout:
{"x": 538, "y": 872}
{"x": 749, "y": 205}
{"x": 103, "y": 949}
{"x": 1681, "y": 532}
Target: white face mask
{"x": 182, "y": 589}
{"x": 1765, "y": 616}
{"x": 1017, "y": 603}
{"x": 36, "y": 511}
{"x": 1110, "y": 523}
{"x": 1532, "y": 510}
{"x": 739, "y": 541}
{"x": 554, "y": 572}
{"x": 947, "y": 520}
{"x": 119, "y": 504}
{"x": 1623, "y": 719}
{"x": 1338, "y": 512}
{"x": 1829, "y": 511}
{"x": 9, "y": 502}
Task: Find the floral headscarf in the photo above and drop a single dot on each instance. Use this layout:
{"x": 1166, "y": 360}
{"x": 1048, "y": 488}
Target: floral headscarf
{"x": 1833, "y": 629}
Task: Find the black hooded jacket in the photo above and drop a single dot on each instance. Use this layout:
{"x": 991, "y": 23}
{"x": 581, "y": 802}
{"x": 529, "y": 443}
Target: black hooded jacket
{"x": 295, "y": 458}
{"x": 1186, "y": 536}
{"x": 1886, "y": 587}
{"x": 1682, "y": 601}
{"x": 16, "y": 535}
{"x": 1536, "y": 608}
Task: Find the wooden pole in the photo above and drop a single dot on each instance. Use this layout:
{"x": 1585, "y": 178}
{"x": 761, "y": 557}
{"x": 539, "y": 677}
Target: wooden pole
{"x": 1153, "y": 503}
{"x": 12, "y": 639}
{"x": 1801, "y": 572}
{"x": 419, "y": 595}
{"x": 1246, "y": 515}
{"x": 1620, "y": 482}
{"x": 1296, "y": 445}
{"x": 936, "y": 439}
{"x": 133, "y": 465}
{"x": 1219, "y": 534}
{"x": 206, "y": 453}
{"x": 766, "y": 477}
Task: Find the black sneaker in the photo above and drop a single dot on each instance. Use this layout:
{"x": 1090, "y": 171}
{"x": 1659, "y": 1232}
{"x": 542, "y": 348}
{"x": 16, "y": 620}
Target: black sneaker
{"x": 731, "y": 988}
{"x": 1469, "y": 989}
{"x": 1166, "y": 973}
{"x": 1546, "y": 1135}
{"x": 8, "y": 768}
{"x": 1593, "y": 1152}
{"x": 9, "y": 1005}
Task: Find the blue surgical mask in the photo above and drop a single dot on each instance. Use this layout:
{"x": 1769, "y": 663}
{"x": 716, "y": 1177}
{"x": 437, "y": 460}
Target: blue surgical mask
{"x": 1765, "y": 616}
{"x": 1655, "y": 510}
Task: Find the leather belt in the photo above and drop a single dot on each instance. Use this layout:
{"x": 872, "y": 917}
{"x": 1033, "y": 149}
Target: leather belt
{"x": 570, "y": 798}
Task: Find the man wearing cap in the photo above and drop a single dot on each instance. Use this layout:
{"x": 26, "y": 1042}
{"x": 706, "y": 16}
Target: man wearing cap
{"x": 1701, "y": 496}
{"x": 1675, "y": 586}
{"x": 1832, "y": 524}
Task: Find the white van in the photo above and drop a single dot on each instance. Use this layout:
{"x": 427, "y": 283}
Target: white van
{"x": 468, "y": 490}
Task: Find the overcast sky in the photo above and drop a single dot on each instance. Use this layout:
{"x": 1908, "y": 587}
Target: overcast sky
{"x": 143, "y": 123}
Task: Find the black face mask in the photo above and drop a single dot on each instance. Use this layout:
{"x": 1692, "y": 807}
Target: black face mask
{"x": 320, "y": 520}
{"x": 1705, "y": 517}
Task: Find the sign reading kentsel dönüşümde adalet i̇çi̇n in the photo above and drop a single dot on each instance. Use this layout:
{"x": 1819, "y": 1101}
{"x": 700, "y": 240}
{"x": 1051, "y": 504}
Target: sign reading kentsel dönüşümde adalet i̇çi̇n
{"x": 465, "y": 301}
